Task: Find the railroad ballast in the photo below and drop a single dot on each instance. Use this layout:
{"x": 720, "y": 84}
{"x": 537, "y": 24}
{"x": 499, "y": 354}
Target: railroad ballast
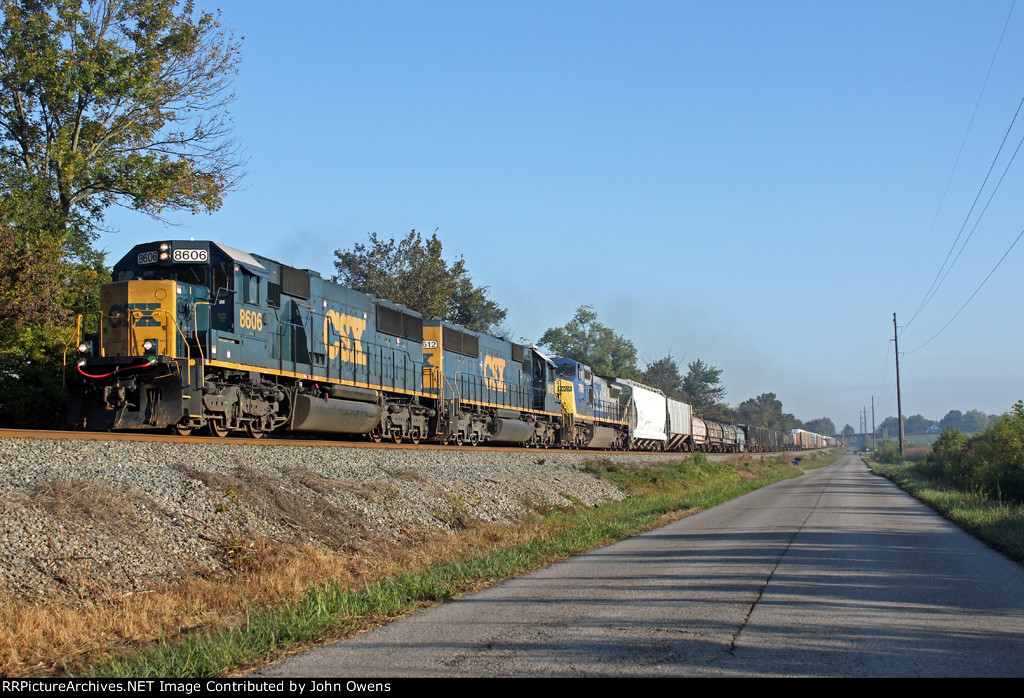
{"x": 198, "y": 335}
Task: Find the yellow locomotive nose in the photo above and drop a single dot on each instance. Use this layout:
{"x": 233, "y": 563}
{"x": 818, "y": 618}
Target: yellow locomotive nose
{"x": 139, "y": 318}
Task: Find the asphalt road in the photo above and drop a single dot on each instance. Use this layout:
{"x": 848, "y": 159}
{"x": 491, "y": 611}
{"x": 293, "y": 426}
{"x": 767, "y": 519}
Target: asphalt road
{"x": 834, "y": 573}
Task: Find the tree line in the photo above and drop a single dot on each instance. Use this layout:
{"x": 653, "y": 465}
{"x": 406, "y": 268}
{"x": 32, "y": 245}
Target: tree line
{"x": 968, "y": 422}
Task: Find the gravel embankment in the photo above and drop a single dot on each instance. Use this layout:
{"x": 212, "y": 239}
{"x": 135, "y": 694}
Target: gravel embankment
{"x": 85, "y": 517}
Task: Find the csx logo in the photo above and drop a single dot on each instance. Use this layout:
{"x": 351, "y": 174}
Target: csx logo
{"x": 494, "y": 370}
{"x": 142, "y": 314}
{"x": 343, "y": 337}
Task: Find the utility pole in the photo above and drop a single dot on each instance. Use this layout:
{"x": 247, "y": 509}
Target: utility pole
{"x": 899, "y": 403}
{"x": 873, "y": 444}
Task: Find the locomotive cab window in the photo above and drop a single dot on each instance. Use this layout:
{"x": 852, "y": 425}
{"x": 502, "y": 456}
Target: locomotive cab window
{"x": 250, "y": 287}
{"x": 194, "y": 274}
{"x": 221, "y": 280}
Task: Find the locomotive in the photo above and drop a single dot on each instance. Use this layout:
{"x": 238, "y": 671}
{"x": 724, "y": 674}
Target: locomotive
{"x": 196, "y": 335}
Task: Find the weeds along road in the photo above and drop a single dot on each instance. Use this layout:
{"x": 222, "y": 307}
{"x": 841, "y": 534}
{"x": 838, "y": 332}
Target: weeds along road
{"x": 834, "y": 573}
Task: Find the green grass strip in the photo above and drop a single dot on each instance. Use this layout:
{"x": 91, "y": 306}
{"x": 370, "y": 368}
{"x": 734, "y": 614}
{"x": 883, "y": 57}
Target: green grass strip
{"x": 998, "y": 524}
{"x": 333, "y": 612}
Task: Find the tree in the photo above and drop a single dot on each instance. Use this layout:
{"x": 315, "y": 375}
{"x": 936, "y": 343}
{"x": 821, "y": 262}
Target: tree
{"x": 822, "y": 425}
{"x": 765, "y": 410}
{"x": 32, "y": 272}
{"x": 114, "y": 102}
{"x": 952, "y": 420}
{"x": 703, "y": 385}
{"x": 663, "y": 374}
{"x": 917, "y": 424}
{"x": 102, "y": 103}
{"x": 413, "y": 272}
{"x": 974, "y": 420}
{"x": 39, "y": 293}
{"x": 848, "y": 430}
{"x": 586, "y": 340}
{"x": 890, "y": 427}
{"x": 720, "y": 412}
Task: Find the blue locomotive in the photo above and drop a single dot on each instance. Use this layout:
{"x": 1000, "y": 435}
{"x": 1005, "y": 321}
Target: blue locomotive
{"x": 196, "y": 335}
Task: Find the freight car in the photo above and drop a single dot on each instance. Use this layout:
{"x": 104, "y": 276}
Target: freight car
{"x": 197, "y": 335}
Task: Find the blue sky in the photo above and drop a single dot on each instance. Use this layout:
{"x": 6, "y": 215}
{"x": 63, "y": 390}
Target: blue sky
{"x": 749, "y": 183}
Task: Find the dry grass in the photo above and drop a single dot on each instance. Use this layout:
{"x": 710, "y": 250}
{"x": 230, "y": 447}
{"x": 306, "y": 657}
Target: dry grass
{"x": 67, "y": 635}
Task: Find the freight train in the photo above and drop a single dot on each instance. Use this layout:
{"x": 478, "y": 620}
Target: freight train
{"x": 196, "y": 335}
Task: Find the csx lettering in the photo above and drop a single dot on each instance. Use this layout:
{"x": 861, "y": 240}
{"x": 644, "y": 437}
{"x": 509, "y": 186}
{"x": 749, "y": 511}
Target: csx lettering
{"x": 494, "y": 370}
{"x": 343, "y": 336}
{"x": 250, "y": 320}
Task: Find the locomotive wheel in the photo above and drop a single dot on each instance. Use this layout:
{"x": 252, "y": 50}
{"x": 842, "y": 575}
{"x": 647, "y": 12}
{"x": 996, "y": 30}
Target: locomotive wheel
{"x": 181, "y": 430}
{"x": 214, "y": 428}
{"x": 253, "y": 430}
{"x": 414, "y": 437}
{"x": 396, "y": 436}
{"x": 375, "y": 436}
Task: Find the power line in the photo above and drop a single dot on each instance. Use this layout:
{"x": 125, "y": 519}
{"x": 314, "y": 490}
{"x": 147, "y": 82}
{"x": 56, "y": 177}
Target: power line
{"x": 976, "y": 222}
{"x": 929, "y": 294}
{"x": 1012, "y": 245}
{"x": 956, "y": 162}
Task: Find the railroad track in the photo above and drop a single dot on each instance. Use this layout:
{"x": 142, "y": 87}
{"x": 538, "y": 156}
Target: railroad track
{"x": 154, "y": 437}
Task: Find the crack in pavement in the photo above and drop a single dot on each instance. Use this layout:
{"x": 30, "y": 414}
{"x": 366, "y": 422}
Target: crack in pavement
{"x": 731, "y": 649}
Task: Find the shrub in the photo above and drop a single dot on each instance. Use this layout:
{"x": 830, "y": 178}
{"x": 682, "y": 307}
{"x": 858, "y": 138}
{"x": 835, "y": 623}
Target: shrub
{"x": 888, "y": 451}
{"x": 991, "y": 462}
{"x": 946, "y": 459}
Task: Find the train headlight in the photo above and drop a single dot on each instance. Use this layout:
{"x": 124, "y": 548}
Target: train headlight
{"x": 85, "y": 348}
{"x": 150, "y": 346}
{"x": 164, "y": 247}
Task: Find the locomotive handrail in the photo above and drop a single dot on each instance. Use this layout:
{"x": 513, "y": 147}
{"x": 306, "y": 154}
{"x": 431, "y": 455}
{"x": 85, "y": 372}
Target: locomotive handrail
{"x": 130, "y": 316}
{"x": 195, "y": 325}
{"x": 76, "y": 340}
{"x": 481, "y": 386}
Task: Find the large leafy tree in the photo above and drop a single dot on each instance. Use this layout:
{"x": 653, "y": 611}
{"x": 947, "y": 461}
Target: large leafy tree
{"x": 412, "y": 271}
{"x": 586, "y": 340}
{"x": 765, "y": 410}
{"x": 663, "y": 374}
{"x": 106, "y": 102}
{"x": 102, "y": 103}
{"x": 974, "y": 420}
{"x": 822, "y": 425}
{"x": 703, "y": 385}
{"x": 40, "y": 290}
{"x": 917, "y": 424}
{"x": 953, "y": 419}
